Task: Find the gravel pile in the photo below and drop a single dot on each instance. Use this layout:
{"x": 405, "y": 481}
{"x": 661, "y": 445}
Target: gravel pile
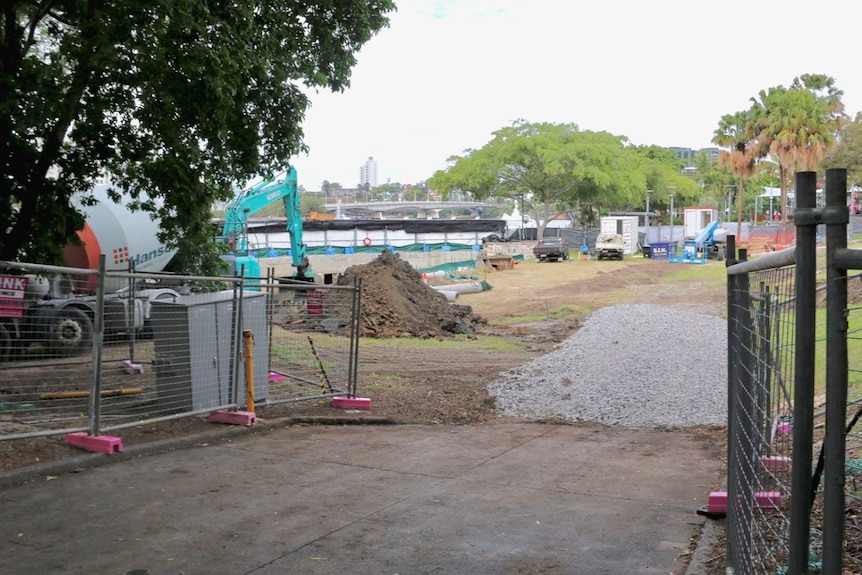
{"x": 630, "y": 365}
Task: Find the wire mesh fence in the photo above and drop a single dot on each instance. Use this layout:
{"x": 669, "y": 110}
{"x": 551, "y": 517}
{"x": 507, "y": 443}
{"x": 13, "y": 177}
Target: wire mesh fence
{"x": 761, "y": 320}
{"x": 46, "y": 350}
{"x": 150, "y": 351}
{"x": 795, "y": 389}
{"x": 312, "y": 330}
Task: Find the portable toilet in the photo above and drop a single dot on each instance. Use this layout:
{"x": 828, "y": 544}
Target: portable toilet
{"x": 626, "y": 226}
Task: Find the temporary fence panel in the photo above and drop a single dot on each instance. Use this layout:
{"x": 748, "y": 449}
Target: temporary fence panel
{"x": 105, "y": 362}
{"x": 794, "y": 491}
{"x": 312, "y": 331}
{"x": 184, "y": 359}
{"x": 46, "y": 350}
{"x": 761, "y": 324}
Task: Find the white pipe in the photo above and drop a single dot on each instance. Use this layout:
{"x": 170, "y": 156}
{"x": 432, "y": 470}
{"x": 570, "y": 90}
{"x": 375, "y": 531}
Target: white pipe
{"x": 450, "y": 295}
{"x": 466, "y": 287}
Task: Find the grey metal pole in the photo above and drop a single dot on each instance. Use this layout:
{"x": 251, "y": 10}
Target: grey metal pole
{"x": 646, "y": 215}
{"x": 671, "y": 217}
{"x": 732, "y": 374}
{"x": 98, "y": 339}
{"x": 741, "y": 490}
{"x": 837, "y": 217}
{"x": 803, "y": 392}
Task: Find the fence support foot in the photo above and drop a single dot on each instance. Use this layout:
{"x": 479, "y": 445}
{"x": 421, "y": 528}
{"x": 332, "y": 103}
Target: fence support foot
{"x": 762, "y": 499}
{"x": 773, "y": 462}
{"x": 132, "y": 368}
{"x": 95, "y": 443}
{"x": 233, "y": 417}
{"x": 351, "y": 402}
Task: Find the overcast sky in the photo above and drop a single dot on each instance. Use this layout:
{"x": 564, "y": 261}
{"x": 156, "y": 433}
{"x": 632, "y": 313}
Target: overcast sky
{"x": 446, "y": 74}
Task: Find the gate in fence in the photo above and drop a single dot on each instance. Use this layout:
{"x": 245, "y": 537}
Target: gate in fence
{"x": 158, "y": 349}
{"x": 794, "y": 462}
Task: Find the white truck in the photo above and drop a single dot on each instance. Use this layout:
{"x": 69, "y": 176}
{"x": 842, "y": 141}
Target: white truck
{"x": 610, "y": 246}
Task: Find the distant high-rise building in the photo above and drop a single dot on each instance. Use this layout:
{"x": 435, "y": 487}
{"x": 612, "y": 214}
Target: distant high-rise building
{"x": 368, "y": 172}
{"x": 688, "y": 155}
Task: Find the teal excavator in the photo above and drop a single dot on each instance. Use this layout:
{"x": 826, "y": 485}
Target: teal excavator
{"x": 235, "y": 232}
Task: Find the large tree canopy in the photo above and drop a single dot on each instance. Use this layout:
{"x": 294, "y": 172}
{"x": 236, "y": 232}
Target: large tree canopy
{"x": 176, "y": 100}
{"x": 559, "y": 168}
{"x": 848, "y": 152}
{"x": 797, "y": 125}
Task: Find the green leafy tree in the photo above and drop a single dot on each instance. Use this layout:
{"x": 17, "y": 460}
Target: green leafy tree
{"x": 663, "y": 173}
{"x": 311, "y": 203}
{"x": 556, "y": 167}
{"x": 848, "y": 152}
{"x": 175, "y": 101}
{"x": 714, "y": 179}
{"x": 389, "y": 191}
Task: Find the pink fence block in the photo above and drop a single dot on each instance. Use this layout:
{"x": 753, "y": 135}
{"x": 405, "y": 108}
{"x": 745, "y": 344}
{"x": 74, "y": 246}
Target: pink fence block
{"x": 763, "y": 499}
{"x": 351, "y": 402}
{"x": 95, "y": 443}
{"x": 232, "y": 417}
{"x": 768, "y": 499}
{"x": 773, "y": 462}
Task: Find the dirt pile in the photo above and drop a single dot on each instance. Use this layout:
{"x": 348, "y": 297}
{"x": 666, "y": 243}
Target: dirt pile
{"x": 397, "y": 303}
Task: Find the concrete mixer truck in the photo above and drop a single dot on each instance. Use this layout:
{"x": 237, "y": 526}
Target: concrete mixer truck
{"x": 56, "y": 313}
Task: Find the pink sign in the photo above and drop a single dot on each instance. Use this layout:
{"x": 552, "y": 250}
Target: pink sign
{"x": 13, "y": 290}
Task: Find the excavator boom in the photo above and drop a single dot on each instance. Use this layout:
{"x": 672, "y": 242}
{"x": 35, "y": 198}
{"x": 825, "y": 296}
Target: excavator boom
{"x": 235, "y": 231}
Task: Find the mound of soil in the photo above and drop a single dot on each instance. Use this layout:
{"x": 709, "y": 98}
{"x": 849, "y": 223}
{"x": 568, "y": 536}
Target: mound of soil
{"x": 397, "y": 303}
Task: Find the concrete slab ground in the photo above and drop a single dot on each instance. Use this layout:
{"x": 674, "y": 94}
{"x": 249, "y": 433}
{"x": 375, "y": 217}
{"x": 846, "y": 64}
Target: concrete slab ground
{"x": 402, "y": 499}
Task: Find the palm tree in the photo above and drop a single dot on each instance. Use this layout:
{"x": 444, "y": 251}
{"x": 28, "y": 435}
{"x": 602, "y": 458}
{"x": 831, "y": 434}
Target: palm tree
{"x": 734, "y": 132}
{"x": 797, "y": 125}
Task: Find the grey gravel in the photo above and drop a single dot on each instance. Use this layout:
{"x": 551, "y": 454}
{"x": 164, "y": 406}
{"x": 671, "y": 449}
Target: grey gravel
{"x": 628, "y": 365}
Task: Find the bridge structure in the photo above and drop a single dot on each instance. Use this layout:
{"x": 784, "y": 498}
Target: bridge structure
{"x": 389, "y": 209}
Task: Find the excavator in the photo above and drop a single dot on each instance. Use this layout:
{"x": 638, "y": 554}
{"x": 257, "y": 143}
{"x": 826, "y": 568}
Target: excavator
{"x": 252, "y": 199}
{"x": 59, "y": 313}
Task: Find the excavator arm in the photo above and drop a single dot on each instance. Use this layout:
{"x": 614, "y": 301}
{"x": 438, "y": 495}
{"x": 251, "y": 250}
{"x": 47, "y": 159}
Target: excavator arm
{"x": 253, "y": 199}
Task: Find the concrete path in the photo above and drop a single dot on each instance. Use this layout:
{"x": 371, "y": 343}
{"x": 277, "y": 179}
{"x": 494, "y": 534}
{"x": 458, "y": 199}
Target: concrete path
{"x": 404, "y": 499}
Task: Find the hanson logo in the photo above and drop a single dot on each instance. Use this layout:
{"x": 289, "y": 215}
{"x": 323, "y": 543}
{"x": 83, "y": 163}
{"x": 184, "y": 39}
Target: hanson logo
{"x": 141, "y": 259}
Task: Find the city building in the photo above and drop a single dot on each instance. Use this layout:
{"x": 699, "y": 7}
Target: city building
{"x": 368, "y": 172}
{"x": 688, "y": 155}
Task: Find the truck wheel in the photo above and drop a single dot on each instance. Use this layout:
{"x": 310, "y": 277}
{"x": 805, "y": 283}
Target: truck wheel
{"x": 70, "y": 332}
{"x": 5, "y": 344}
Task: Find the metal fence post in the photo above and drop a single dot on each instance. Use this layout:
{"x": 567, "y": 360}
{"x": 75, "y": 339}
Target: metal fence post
{"x": 130, "y": 311}
{"x": 732, "y": 347}
{"x": 248, "y": 339}
{"x": 356, "y": 313}
{"x": 806, "y": 218}
{"x": 837, "y": 217}
{"x": 99, "y": 328}
{"x": 236, "y": 341}
{"x": 740, "y": 492}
